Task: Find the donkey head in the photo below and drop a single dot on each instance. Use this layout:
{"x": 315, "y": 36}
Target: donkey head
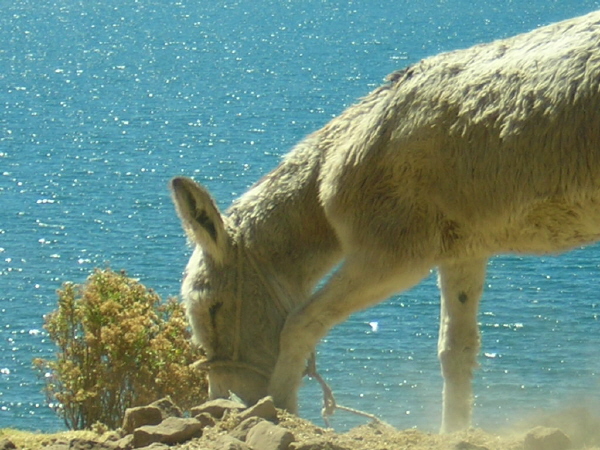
{"x": 226, "y": 305}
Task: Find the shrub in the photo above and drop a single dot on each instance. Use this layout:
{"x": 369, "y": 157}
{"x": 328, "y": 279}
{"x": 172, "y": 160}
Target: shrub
{"x": 119, "y": 346}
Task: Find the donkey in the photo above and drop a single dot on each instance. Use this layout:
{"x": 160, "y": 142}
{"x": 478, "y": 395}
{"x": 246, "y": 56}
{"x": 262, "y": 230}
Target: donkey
{"x": 464, "y": 155}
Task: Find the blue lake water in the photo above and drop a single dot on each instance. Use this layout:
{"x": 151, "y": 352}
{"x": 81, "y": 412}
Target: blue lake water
{"x": 101, "y": 103}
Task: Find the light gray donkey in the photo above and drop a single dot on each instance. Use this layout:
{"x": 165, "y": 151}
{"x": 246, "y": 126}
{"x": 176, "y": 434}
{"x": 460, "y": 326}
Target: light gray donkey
{"x": 464, "y": 155}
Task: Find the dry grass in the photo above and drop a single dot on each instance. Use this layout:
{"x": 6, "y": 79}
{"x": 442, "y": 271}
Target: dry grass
{"x": 25, "y": 440}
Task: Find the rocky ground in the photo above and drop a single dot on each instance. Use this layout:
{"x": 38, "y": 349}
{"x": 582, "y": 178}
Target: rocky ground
{"x": 228, "y": 425}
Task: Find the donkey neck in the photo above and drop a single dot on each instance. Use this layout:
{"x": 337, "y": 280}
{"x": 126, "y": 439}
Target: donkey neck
{"x": 282, "y": 224}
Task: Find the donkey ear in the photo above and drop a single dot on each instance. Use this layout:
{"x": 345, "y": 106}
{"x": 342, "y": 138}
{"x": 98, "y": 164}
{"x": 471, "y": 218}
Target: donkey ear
{"x": 200, "y": 217}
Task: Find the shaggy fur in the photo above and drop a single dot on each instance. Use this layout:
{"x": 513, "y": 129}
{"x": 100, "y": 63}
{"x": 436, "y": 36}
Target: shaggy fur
{"x": 467, "y": 154}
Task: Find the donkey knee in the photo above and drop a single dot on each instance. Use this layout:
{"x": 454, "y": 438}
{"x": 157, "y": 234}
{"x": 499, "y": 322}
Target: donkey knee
{"x": 459, "y": 358}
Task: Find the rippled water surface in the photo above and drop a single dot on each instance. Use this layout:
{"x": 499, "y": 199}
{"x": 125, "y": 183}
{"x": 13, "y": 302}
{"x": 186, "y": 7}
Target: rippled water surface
{"x": 102, "y": 102}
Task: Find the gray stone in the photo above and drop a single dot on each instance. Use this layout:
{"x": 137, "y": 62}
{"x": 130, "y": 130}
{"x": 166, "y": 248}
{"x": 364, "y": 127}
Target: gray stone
{"x": 173, "y": 430}
{"x": 155, "y": 446}
{"x": 141, "y": 416}
{"x": 266, "y": 436}
{"x": 264, "y": 408}
{"x": 464, "y": 445}
{"x": 543, "y": 438}
{"x": 57, "y": 446}
{"x": 124, "y": 443}
{"x": 205, "y": 419}
{"x": 241, "y": 431}
{"x": 316, "y": 444}
{"x": 227, "y": 442}
{"x": 167, "y": 407}
{"x": 6, "y": 444}
{"x": 217, "y": 407}
{"x": 80, "y": 444}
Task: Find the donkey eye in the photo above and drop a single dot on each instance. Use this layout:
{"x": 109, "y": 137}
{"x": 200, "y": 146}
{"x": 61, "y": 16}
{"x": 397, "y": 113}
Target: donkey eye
{"x": 212, "y": 311}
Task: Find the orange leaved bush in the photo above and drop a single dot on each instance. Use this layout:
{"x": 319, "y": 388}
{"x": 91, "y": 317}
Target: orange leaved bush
{"x": 119, "y": 345}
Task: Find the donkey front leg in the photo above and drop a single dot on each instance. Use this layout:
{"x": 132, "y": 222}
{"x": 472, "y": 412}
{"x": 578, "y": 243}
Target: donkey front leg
{"x": 353, "y": 287}
{"x": 461, "y": 284}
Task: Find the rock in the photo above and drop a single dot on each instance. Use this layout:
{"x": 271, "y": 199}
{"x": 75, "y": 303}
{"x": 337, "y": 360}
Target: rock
{"x": 125, "y": 442}
{"x": 57, "y": 446}
{"x": 80, "y": 444}
{"x": 464, "y": 445}
{"x": 316, "y": 444}
{"x": 543, "y": 438}
{"x": 84, "y": 444}
{"x": 579, "y": 423}
{"x": 167, "y": 407}
{"x": 217, "y": 407}
{"x": 227, "y": 442}
{"x": 112, "y": 436}
{"x": 241, "y": 431}
{"x": 140, "y": 416}
{"x": 205, "y": 419}
{"x": 6, "y": 444}
{"x": 173, "y": 430}
{"x": 264, "y": 408}
{"x": 155, "y": 446}
{"x": 153, "y": 414}
{"x": 266, "y": 436}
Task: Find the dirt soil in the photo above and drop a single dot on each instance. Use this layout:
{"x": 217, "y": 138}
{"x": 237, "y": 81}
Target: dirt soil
{"x": 366, "y": 437}
{"x": 379, "y": 436}
{"x": 578, "y": 423}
